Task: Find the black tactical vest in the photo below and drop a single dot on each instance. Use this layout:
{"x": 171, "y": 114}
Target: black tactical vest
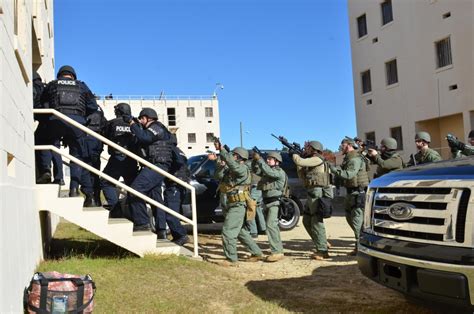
{"x": 160, "y": 150}
{"x": 96, "y": 121}
{"x": 119, "y": 132}
{"x": 67, "y": 97}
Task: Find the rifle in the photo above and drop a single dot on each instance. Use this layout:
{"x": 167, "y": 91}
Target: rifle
{"x": 295, "y": 147}
{"x": 217, "y": 140}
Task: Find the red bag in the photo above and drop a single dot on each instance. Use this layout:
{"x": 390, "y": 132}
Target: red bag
{"x": 54, "y": 292}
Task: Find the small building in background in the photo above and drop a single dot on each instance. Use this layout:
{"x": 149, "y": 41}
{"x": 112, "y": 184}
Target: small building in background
{"x": 194, "y": 119}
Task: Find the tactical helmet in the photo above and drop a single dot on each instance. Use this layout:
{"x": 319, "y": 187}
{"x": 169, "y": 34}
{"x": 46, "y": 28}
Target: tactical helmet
{"x": 471, "y": 134}
{"x": 390, "y": 143}
{"x": 424, "y": 136}
{"x": 316, "y": 145}
{"x": 123, "y": 109}
{"x": 349, "y": 141}
{"x": 242, "y": 152}
{"x": 149, "y": 112}
{"x": 275, "y": 155}
{"x": 67, "y": 69}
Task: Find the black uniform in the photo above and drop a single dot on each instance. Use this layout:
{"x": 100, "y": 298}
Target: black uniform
{"x": 119, "y": 164}
{"x": 74, "y": 99}
{"x": 155, "y": 146}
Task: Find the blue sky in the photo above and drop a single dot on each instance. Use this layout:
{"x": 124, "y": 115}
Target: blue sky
{"x": 285, "y": 65}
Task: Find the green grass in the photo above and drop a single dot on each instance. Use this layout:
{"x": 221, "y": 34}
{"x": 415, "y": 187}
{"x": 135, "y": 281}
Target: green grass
{"x": 126, "y": 283}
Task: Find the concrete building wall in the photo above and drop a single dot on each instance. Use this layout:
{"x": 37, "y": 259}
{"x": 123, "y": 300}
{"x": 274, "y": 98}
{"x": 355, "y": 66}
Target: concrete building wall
{"x": 423, "y": 91}
{"x": 204, "y": 121}
{"x": 20, "y": 232}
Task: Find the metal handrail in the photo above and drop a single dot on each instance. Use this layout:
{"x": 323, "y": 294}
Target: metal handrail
{"x": 193, "y": 222}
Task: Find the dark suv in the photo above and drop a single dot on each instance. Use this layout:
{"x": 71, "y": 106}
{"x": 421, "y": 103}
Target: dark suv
{"x": 207, "y": 196}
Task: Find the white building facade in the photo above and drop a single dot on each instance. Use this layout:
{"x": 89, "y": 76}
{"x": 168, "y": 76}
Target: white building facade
{"x": 26, "y": 37}
{"x": 194, "y": 119}
{"x": 412, "y": 67}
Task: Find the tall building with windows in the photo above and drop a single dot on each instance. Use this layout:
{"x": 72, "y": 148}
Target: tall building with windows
{"x": 412, "y": 64}
{"x": 194, "y": 119}
{"x": 27, "y": 45}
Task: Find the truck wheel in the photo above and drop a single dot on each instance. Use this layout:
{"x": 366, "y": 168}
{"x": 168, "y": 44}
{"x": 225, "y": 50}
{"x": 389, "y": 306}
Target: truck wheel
{"x": 289, "y": 214}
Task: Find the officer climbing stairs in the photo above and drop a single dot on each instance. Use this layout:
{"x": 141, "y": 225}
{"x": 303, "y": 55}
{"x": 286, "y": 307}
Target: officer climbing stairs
{"x": 96, "y": 219}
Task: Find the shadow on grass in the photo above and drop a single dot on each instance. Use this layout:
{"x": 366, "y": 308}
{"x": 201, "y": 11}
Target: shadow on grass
{"x": 338, "y": 288}
{"x": 69, "y": 247}
{"x": 70, "y": 241}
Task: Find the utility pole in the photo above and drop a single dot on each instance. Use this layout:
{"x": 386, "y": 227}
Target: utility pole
{"x": 241, "y": 135}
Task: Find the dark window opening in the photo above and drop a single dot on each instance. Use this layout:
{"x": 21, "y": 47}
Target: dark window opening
{"x": 443, "y": 53}
{"x": 391, "y": 72}
{"x": 366, "y": 83}
{"x": 396, "y": 133}
{"x": 171, "y": 116}
{"x": 362, "y": 25}
{"x": 387, "y": 14}
{"x": 453, "y": 87}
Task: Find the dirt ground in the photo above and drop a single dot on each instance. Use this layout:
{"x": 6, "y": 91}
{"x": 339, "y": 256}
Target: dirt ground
{"x": 301, "y": 284}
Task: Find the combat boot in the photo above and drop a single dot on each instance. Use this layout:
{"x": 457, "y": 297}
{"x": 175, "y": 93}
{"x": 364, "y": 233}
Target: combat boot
{"x": 161, "y": 234}
{"x": 255, "y": 258}
{"x": 74, "y": 192}
{"x": 275, "y": 257}
{"x": 89, "y": 201}
{"x": 319, "y": 256}
{"x": 45, "y": 178}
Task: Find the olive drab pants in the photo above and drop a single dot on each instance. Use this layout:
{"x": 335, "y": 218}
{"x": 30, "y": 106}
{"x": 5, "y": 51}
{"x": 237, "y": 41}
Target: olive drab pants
{"x": 235, "y": 228}
{"x": 273, "y": 230}
{"x": 354, "y": 205}
{"x": 313, "y": 220}
{"x": 258, "y": 224}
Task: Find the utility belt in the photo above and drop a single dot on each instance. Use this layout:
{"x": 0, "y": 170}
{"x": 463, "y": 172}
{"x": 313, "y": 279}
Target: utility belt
{"x": 72, "y": 111}
{"x": 314, "y": 183}
{"x": 359, "y": 189}
{"x": 237, "y": 196}
{"x": 269, "y": 200}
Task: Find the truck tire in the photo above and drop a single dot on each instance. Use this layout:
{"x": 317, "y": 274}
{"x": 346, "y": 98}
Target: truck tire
{"x": 289, "y": 215}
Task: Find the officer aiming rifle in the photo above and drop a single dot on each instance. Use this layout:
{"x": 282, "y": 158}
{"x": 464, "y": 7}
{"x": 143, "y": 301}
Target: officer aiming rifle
{"x": 293, "y": 148}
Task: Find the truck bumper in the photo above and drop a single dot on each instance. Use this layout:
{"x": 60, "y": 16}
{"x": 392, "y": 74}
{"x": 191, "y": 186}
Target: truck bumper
{"x": 426, "y": 280}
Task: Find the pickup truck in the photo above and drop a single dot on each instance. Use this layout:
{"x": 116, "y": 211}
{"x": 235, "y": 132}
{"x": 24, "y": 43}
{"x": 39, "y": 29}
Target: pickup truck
{"x": 418, "y": 232}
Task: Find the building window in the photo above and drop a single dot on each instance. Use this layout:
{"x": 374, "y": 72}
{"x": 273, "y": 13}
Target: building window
{"x": 362, "y": 25}
{"x": 191, "y": 137}
{"x": 208, "y": 112}
{"x": 209, "y": 137}
{"x": 190, "y": 112}
{"x": 391, "y": 72}
{"x": 171, "y": 116}
{"x": 443, "y": 53}
{"x": 366, "y": 83}
{"x": 387, "y": 14}
{"x": 396, "y": 133}
{"x": 370, "y": 137}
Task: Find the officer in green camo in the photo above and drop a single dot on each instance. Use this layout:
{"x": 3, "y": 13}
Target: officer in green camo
{"x": 460, "y": 149}
{"x": 388, "y": 159}
{"x": 425, "y": 154}
{"x": 235, "y": 182}
{"x": 257, "y": 225}
{"x": 355, "y": 179}
{"x": 272, "y": 185}
{"x": 314, "y": 172}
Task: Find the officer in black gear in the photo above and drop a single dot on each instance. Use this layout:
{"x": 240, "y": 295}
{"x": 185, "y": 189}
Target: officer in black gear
{"x": 119, "y": 164}
{"x": 96, "y": 122}
{"x": 153, "y": 139}
{"x": 173, "y": 196}
{"x": 74, "y": 99}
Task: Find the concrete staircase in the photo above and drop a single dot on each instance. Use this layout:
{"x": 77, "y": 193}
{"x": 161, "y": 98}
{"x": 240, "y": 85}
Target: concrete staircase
{"x": 96, "y": 220}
